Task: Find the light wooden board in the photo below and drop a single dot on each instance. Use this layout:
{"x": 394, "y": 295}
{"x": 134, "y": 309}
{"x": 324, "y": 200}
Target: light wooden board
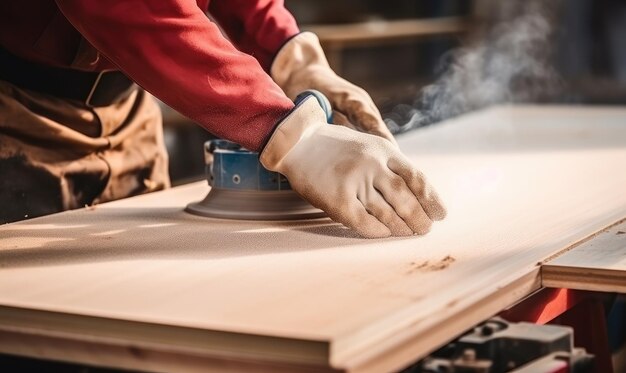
{"x": 141, "y": 275}
{"x": 598, "y": 263}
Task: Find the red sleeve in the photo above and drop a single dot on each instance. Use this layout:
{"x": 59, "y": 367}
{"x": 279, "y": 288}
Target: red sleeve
{"x": 257, "y": 27}
{"x": 174, "y": 51}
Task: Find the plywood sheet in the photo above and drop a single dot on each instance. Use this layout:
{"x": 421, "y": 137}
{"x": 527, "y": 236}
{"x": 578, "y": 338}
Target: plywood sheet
{"x": 598, "y": 263}
{"x": 521, "y": 184}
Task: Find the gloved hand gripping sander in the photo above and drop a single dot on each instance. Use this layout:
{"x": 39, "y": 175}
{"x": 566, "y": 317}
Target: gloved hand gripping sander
{"x": 241, "y": 188}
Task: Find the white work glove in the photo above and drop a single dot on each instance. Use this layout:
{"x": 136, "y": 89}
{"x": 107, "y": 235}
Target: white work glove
{"x": 301, "y": 65}
{"x": 360, "y": 180}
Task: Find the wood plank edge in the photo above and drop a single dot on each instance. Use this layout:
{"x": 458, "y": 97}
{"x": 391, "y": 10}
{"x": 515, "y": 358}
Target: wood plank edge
{"x": 128, "y": 337}
{"x": 398, "y": 350}
{"x": 132, "y": 357}
{"x": 582, "y": 278}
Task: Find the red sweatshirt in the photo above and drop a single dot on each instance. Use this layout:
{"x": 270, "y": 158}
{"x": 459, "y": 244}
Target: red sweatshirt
{"x": 170, "y": 48}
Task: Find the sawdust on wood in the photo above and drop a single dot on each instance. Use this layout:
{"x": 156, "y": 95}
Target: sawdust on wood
{"x": 428, "y": 266}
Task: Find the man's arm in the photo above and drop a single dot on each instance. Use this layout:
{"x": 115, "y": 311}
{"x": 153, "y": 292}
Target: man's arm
{"x": 174, "y": 51}
{"x": 266, "y": 30}
{"x": 259, "y": 28}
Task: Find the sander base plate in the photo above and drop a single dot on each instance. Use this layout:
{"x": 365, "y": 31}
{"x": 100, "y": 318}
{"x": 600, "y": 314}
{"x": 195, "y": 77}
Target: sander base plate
{"x": 254, "y": 205}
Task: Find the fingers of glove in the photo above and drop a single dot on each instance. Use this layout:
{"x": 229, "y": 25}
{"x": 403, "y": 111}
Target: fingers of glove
{"x": 356, "y": 217}
{"x": 416, "y": 181}
{"x": 368, "y": 119}
{"x": 356, "y": 104}
{"x": 377, "y": 206}
{"x": 404, "y": 202}
{"x": 342, "y": 120}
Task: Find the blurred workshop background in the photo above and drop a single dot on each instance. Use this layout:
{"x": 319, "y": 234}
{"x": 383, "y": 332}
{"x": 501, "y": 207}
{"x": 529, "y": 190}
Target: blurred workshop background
{"x": 396, "y": 48}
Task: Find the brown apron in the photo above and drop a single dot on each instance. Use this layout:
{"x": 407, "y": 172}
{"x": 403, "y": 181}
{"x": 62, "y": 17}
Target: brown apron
{"x": 57, "y": 154}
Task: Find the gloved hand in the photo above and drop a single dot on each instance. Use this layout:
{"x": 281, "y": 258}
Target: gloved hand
{"x": 301, "y": 65}
{"x": 360, "y": 180}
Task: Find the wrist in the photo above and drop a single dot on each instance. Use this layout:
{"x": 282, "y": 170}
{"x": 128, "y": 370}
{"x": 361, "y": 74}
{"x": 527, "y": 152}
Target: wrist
{"x": 300, "y": 124}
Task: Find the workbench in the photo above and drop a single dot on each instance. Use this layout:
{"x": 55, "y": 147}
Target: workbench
{"x": 141, "y": 284}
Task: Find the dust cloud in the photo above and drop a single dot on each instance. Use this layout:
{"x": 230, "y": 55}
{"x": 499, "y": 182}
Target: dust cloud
{"x": 510, "y": 64}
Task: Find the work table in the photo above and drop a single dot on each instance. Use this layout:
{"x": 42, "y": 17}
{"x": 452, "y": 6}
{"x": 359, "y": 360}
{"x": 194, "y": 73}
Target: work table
{"x": 139, "y": 283}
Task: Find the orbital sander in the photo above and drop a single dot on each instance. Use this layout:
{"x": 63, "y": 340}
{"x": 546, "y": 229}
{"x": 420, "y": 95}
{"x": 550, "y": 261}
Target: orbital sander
{"x": 241, "y": 188}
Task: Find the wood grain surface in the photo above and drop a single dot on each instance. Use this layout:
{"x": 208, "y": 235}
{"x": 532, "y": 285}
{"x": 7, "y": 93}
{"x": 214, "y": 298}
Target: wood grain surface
{"x": 521, "y": 184}
{"x": 598, "y": 263}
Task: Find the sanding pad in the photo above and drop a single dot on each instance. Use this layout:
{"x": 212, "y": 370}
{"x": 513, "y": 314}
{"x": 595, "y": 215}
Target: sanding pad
{"x": 254, "y": 205}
